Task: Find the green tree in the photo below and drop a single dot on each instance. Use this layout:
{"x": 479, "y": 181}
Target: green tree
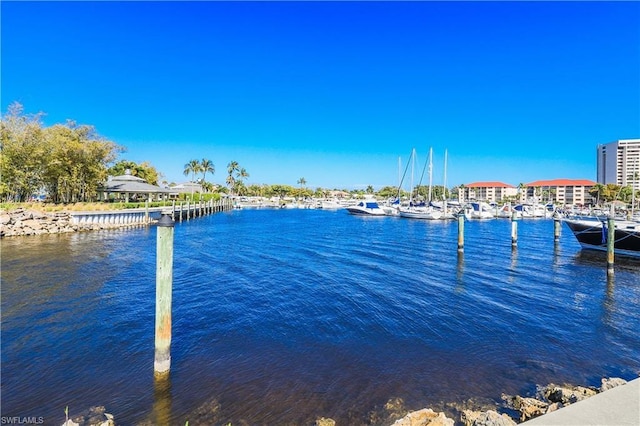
{"x": 78, "y": 162}
{"x": 597, "y": 191}
{"x": 206, "y": 166}
{"x": 143, "y": 170}
{"x": 232, "y": 169}
{"x": 192, "y": 168}
{"x": 23, "y": 154}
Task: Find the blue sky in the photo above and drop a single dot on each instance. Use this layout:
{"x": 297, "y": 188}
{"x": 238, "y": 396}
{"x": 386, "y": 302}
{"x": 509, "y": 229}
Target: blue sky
{"x": 335, "y": 92}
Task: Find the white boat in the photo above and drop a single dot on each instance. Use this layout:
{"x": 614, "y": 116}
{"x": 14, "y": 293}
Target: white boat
{"x": 478, "y": 210}
{"x": 367, "y": 208}
{"x": 331, "y": 205}
{"x": 524, "y": 211}
{"x": 420, "y": 212}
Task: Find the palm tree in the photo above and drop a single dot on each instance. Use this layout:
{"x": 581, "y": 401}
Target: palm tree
{"x": 242, "y": 175}
{"x": 206, "y": 166}
{"x": 232, "y": 168}
{"x": 301, "y": 182}
{"x": 598, "y": 190}
{"x": 370, "y": 189}
{"x": 192, "y": 167}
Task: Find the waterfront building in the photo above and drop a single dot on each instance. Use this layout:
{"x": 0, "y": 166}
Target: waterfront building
{"x": 618, "y": 162}
{"x": 563, "y": 192}
{"x": 131, "y": 188}
{"x": 487, "y": 191}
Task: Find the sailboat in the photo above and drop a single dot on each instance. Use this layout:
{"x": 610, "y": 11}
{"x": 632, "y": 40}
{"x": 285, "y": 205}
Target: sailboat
{"x": 421, "y": 211}
{"x": 444, "y": 205}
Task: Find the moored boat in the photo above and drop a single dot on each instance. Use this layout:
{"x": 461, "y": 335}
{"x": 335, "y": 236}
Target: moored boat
{"x": 478, "y": 210}
{"x": 366, "y": 208}
{"x": 592, "y": 234}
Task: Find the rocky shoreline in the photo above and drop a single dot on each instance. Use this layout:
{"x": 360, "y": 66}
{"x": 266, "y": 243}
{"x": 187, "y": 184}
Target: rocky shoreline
{"x": 513, "y": 410}
{"x": 21, "y": 222}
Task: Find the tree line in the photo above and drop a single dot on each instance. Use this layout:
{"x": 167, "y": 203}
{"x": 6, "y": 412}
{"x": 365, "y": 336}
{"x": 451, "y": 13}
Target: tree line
{"x": 67, "y": 161}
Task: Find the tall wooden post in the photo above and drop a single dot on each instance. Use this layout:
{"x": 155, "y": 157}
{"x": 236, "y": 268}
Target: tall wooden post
{"x": 611, "y": 238}
{"x": 514, "y": 229}
{"x": 556, "y": 228}
{"x": 164, "y": 284}
{"x": 460, "y": 232}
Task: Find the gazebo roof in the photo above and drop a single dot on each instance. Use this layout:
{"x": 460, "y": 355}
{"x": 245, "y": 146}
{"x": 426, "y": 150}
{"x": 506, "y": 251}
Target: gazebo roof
{"x": 132, "y": 184}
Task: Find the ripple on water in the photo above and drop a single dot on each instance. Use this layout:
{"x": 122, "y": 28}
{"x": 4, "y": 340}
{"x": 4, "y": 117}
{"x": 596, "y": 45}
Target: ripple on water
{"x": 283, "y": 316}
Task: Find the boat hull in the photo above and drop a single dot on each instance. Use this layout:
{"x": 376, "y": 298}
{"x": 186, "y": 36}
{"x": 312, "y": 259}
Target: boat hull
{"x": 592, "y": 235}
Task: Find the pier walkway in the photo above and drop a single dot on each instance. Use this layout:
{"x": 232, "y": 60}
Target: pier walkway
{"x": 619, "y": 406}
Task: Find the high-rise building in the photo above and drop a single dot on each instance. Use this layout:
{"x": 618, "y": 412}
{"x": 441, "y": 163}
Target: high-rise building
{"x": 618, "y": 162}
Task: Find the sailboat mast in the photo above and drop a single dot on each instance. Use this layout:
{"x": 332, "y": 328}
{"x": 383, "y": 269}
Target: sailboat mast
{"x": 430, "y": 171}
{"x": 413, "y": 162}
{"x": 444, "y": 186}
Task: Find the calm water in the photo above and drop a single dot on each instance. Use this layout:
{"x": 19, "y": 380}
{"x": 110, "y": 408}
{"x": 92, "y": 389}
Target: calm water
{"x": 283, "y": 316}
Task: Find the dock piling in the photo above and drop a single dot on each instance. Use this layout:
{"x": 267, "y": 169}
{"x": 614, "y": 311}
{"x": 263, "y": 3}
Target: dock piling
{"x": 460, "y": 233}
{"x": 611, "y": 237}
{"x": 164, "y": 284}
{"x": 514, "y": 229}
{"x": 556, "y": 228}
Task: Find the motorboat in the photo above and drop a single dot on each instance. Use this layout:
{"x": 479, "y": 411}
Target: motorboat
{"x": 478, "y": 210}
{"x": 592, "y": 234}
{"x": 530, "y": 211}
{"x": 366, "y": 208}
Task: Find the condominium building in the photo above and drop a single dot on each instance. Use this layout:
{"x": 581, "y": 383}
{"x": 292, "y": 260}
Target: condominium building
{"x": 486, "y": 191}
{"x": 618, "y": 162}
{"x": 563, "y": 192}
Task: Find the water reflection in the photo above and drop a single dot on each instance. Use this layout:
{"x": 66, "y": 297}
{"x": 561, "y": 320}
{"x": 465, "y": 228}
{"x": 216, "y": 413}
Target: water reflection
{"x": 161, "y": 400}
{"x": 460, "y": 272}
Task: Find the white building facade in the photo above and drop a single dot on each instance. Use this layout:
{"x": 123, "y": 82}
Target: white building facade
{"x": 618, "y": 162}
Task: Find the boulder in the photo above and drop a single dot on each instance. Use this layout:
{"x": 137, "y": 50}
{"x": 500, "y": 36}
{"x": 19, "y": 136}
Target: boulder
{"x": 567, "y": 394}
{"x": 486, "y": 418}
{"x": 610, "y": 383}
{"x": 529, "y": 407}
{"x": 424, "y": 417}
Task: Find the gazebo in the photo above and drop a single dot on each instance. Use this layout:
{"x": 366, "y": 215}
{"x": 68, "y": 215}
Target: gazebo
{"x": 130, "y": 187}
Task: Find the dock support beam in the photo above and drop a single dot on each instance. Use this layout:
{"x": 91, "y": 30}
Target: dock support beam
{"x": 556, "y": 228}
{"x": 460, "y": 233}
{"x": 164, "y": 284}
{"x": 514, "y": 229}
{"x": 611, "y": 238}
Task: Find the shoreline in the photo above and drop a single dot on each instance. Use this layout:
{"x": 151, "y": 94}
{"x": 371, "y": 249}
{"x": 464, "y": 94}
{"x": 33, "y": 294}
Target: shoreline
{"x": 548, "y": 399}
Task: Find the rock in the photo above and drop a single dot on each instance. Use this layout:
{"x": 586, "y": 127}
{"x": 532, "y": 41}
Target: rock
{"x": 553, "y": 407}
{"x": 424, "y": 417}
{"x": 610, "y": 383}
{"x": 567, "y": 394}
{"x": 529, "y": 407}
{"x": 94, "y": 416}
{"x": 325, "y": 422}
{"x": 486, "y": 418}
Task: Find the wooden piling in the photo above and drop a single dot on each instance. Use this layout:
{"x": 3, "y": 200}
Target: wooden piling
{"x": 611, "y": 238}
{"x": 460, "y": 233}
{"x": 556, "y": 228}
{"x": 514, "y": 229}
{"x": 164, "y": 284}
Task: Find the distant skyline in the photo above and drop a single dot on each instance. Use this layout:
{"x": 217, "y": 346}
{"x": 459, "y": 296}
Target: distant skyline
{"x": 335, "y": 92}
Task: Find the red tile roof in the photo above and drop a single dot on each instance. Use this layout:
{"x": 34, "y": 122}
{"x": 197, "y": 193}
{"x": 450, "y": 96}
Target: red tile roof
{"x": 562, "y": 182}
{"x": 488, "y": 185}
